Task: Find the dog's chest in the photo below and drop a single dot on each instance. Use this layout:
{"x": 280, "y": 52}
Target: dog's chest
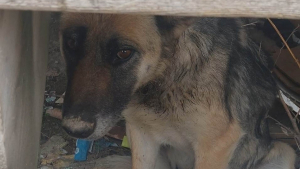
{"x": 178, "y": 129}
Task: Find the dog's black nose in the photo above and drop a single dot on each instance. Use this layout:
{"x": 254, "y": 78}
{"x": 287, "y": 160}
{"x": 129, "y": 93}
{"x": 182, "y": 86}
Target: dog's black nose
{"x": 76, "y": 127}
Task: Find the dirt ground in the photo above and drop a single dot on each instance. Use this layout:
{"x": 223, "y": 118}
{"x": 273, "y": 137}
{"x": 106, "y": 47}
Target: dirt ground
{"x": 55, "y": 87}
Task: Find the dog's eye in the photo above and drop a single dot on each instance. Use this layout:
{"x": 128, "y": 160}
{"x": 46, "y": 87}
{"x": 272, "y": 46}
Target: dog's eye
{"x": 121, "y": 56}
{"x": 72, "y": 42}
{"x": 124, "y": 54}
{"x": 74, "y": 38}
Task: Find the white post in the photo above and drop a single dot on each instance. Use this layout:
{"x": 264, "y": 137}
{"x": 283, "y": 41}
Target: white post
{"x": 23, "y": 62}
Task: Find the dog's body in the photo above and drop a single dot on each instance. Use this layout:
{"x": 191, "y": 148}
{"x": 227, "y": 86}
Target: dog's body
{"x": 194, "y": 91}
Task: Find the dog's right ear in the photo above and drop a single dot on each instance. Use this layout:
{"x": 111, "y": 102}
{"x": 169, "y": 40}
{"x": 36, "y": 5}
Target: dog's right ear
{"x": 173, "y": 26}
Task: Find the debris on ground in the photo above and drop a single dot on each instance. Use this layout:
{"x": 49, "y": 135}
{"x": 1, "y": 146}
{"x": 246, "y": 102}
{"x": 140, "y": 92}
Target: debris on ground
{"x": 52, "y": 73}
{"x": 290, "y": 103}
{"x": 61, "y": 99}
{"x": 107, "y": 162}
{"x": 48, "y": 107}
{"x": 54, "y": 112}
{"x": 51, "y": 97}
{"x": 82, "y": 149}
{"x": 117, "y": 132}
{"x": 53, "y": 154}
{"x": 125, "y": 142}
{"x": 102, "y": 143}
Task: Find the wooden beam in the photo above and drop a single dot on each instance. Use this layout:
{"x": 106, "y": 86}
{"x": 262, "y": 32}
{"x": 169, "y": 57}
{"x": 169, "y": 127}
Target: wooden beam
{"x": 23, "y": 60}
{"x": 222, "y": 8}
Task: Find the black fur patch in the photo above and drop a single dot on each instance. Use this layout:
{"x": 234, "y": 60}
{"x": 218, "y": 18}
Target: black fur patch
{"x": 121, "y": 75}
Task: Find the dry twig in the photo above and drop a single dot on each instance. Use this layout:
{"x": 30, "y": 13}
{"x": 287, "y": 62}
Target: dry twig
{"x": 296, "y": 136}
{"x": 252, "y": 24}
{"x": 278, "y": 32}
{"x": 282, "y": 125}
{"x": 284, "y": 45}
{"x": 259, "y": 49}
{"x": 293, "y": 120}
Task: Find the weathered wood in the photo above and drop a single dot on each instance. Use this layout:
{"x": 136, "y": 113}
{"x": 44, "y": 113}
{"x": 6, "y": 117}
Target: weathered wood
{"x": 23, "y": 59}
{"x": 228, "y": 8}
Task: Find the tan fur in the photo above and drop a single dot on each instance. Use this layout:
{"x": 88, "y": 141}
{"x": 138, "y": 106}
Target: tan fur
{"x": 280, "y": 156}
{"x": 201, "y": 130}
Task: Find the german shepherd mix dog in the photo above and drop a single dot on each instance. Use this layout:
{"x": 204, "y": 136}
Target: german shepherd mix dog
{"x": 194, "y": 91}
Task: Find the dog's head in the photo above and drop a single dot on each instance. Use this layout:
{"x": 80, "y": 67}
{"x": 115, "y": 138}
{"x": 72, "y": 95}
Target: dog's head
{"x": 108, "y": 58}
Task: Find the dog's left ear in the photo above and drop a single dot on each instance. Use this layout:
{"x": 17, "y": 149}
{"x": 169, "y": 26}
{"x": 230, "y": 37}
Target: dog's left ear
{"x": 173, "y": 26}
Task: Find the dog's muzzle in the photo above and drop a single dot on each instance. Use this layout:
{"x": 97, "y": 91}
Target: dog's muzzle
{"x": 76, "y": 127}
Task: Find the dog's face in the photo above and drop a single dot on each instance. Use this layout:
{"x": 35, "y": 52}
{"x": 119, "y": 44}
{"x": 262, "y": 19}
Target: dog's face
{"x": 108, "y": 58}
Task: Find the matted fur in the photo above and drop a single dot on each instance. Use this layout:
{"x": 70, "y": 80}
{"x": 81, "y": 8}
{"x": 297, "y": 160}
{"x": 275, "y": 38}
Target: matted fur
{"x": 194, "y": 94}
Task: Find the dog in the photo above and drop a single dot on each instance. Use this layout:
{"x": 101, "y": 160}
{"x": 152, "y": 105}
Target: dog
{"x": 194, "y": 92}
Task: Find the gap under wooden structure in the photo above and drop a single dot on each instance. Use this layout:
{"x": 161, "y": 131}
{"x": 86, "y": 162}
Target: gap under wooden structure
{"x": 23, "y": 56}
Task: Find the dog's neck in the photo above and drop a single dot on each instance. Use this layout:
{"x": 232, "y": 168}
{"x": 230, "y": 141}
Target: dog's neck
{"x": 177, "y": 87}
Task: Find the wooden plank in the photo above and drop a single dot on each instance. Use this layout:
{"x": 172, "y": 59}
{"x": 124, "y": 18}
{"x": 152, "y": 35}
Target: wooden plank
{"x": 222, "y": 8}
{"x": 23, "y": 60}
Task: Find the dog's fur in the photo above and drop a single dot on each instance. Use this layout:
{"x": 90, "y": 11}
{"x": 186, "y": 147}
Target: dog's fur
{"x": 194, "y": 94}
